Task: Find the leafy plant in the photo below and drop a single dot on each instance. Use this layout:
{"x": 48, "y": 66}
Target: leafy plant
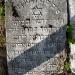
{"x": 67, "y": 66}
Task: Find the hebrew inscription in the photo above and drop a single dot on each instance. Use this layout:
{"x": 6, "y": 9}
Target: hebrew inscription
{"x": 35, "y": 35}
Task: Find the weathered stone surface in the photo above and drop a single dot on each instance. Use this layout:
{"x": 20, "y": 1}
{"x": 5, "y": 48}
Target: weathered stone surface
{"x": 72, "y": 46}
{"x": 72, "y": 15}
{"x": 35, "y": 35}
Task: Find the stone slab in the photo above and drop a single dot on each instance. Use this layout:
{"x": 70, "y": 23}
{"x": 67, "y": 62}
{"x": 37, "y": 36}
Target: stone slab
{"x": 35, "y": 36}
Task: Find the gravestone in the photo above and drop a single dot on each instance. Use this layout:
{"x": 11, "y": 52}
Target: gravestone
{"x": 35, "y": 36}
{"x": 72, "y": 45}
{"x": 72, "y": 16}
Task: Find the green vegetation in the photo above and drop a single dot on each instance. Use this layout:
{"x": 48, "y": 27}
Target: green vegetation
{"x": 70, "y": 34}
{"x": 70, "y": 39}
{"x": 2, "y": 22}
{"x": 3, "y": 66}
{"x": 2, "y": 10}
{"x": 67, "y": 66}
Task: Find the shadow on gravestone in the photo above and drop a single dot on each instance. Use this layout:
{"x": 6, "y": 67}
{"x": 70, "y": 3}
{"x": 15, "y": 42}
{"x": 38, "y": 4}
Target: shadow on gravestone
{"x": 39, "y": 53}
{"x": 44, "y": 52}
